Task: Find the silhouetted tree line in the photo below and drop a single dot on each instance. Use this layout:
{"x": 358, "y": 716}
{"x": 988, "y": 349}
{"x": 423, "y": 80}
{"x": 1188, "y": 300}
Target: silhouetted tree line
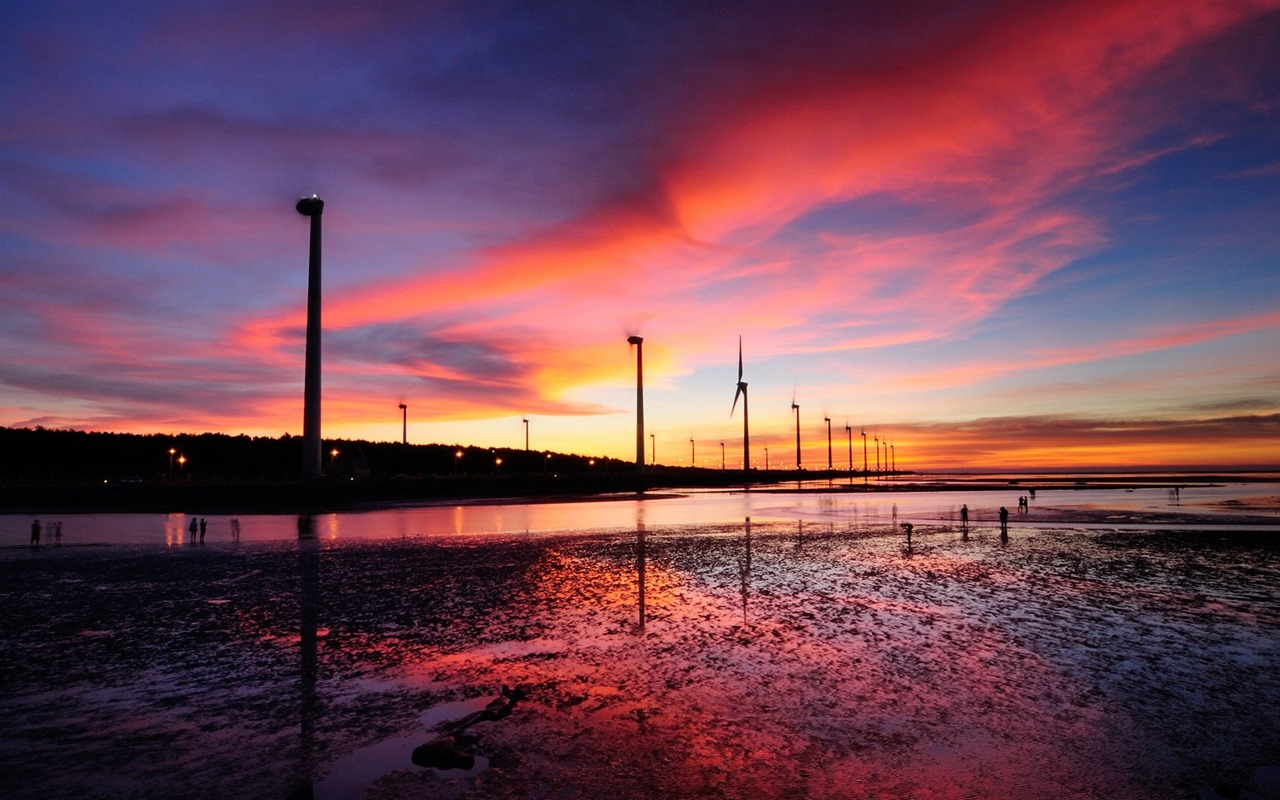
{"x": 38, "y": 455}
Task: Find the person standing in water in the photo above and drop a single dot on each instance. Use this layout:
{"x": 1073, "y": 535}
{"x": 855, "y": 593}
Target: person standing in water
{"x": 1004, "y": 523}
{"x": 35, "y": 533}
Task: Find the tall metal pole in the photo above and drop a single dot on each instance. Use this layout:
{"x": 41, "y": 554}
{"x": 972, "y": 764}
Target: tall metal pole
{"x": 864, "y": 455}
{"x": 796, "y": 408}
{"x": 638, "y": 342}
{"x": 828, "y": 421}
{"x": 848, "y": 432}
{"x": 404, "y": 413}
{"x": 312, "y": 207}
{"x": 692, "y": 461}
{"x": 526, "y": 435}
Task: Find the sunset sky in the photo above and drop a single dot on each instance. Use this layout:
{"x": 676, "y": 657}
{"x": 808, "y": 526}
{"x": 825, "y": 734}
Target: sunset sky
{"x": 995, "y": 234}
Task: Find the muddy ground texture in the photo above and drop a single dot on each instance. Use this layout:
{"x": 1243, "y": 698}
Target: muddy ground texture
{"x": 801, "y": 660}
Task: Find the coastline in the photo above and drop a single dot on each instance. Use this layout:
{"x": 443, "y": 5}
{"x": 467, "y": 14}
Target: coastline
{"x": 335, "y": 495}
{"x": 803, "y": 659}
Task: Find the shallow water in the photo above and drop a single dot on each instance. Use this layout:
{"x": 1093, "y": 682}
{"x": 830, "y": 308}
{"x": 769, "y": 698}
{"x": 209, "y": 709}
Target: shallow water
{"x": 806, "y": 654}
{"x": 694, "y": 508}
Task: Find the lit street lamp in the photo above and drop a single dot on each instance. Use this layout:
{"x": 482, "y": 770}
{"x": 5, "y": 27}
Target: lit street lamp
{"x": 456, "y": 458}
{"x": 722, "y": 456}
{"x": 864, "y": 456}
{"x": 404, "y": 414}
{"x": 828, "y": 421}
{"x": 526, "y": 434}
{"x": 172, "y": 453}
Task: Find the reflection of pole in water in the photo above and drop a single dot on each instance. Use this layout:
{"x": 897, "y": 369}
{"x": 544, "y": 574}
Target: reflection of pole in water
{"x": 745, "y": 568}
{"x": 309, "y": 569}
{"x": 895, "y": 517}
{"x": 640, "y": 566}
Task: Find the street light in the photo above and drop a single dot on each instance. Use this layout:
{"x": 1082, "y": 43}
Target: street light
{"x": 864, "y": 456}
{"x": 333, "y": 455}
{"x": 693, "y": 461}
{"x": 172, "y": 452}
{"x": 796, "y": 408}
{"x": 722, "y": 456}
{"x": 848, "y": 432}
{"x": 526, "y": 434}
{"x": 456, "y": 458}
{"x": 653, "y": 446}
{"x": 766, "y": 459}
{"x": 828, "y": 421}
{"x": 182, "y": 463}
{"x": 404, "y": 414}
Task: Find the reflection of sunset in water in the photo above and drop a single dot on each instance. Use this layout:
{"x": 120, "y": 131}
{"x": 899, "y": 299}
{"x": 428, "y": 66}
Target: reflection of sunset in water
{"x": 791, "y": 659}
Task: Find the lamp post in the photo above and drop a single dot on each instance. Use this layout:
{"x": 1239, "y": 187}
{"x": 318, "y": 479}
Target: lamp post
{"x": 526, "y": 434}
{"x": 457, "y": 456}
{"x": 828, "y": 421}
{"x": 653, "y": 449}
{"x": 766, "y": 459}
{"x": 877, "y": 438}
{"x": 182, "y": 463}
{"x": 404, "y": 421}
{"x": 796, "y": 408}
{"x": 864, "y": 456}
{"x": 312, "y": 207}
{"x": 172, "y": 453}
{"x": 693, "y": 461}
{"x": 333, "y": 456}
{"x": 893, "y": 452}
{"x": 848, "y": 432}
{"x": 722, "y": 456}
{"x": 639, "y": 343}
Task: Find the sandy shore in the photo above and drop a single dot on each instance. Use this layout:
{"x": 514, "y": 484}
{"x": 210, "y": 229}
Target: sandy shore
{"x": 800, "y": 660}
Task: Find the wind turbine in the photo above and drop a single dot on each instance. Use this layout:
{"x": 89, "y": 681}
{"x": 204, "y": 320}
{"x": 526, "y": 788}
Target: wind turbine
{"x": 746, "y": 426}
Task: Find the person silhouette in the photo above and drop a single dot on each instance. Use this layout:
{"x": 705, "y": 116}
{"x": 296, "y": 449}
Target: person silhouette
{"x": 204, "y": 523}
{"x": 35, "y": 533}
{"x": 964, "y": 516}
{"x": 1004, "y": 522}
{"x": 193, "y": 527}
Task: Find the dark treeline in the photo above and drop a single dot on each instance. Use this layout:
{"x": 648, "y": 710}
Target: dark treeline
{"x": 41, "y": 456}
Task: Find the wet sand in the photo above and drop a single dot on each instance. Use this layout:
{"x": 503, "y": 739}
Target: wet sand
{"x": 801, "y": 660}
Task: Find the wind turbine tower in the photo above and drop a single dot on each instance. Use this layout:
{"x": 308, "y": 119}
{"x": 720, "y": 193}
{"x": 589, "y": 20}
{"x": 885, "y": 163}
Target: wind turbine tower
{"x": 638, "y": 342}
{"x": 746, "y": 425}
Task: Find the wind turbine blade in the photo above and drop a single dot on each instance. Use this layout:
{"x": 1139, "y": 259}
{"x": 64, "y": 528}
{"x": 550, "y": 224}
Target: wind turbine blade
{"x": 739, "y": 359}
{"x": 736, "y": 395}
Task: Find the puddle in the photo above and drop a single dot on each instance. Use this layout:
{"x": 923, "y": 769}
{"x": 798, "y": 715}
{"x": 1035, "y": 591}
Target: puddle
{"x": 354, "y": 773}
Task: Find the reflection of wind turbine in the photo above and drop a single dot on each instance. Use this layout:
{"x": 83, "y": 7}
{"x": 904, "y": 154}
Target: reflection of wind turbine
{"x": 744, "y": 571}
{"x": 746, "y": 425}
